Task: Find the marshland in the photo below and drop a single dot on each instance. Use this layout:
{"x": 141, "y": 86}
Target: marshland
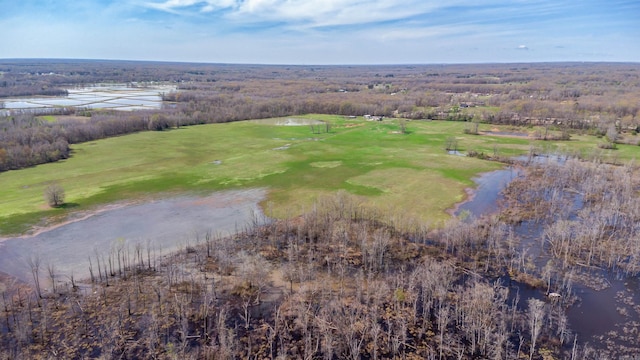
{"x": 364, "y": 212}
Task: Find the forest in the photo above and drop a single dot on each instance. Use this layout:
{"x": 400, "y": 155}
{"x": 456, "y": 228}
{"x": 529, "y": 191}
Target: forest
{"x": 344, "y": 279}
{"x": 592, "y": 97}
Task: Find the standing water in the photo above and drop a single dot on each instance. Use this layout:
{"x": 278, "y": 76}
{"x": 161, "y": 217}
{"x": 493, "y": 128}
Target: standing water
{"x": 605, "y": 316}
{"x": 112, "y": 96}
{"x": 484, "y": 199}
{"x": 164, "y": 225}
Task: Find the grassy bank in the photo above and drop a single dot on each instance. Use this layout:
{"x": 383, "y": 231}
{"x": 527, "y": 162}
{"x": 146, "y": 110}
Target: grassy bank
{"x": 400, "y": 172}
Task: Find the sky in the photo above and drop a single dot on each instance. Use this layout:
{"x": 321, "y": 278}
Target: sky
{"x": 323, "y": 31}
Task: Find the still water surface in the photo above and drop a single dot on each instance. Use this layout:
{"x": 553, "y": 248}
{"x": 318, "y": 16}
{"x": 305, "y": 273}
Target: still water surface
{"x": 114, "y": 96}
{"x": 599, "y": 316}
{"x": 165, "y": 225}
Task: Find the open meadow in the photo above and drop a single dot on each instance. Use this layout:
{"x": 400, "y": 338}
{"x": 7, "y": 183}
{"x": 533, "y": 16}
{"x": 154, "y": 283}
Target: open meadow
{"x": 404, "y": 173}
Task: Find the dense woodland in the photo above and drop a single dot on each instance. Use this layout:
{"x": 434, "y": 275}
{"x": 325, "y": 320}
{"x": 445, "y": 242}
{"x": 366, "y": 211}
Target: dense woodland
{"x": 587, "y": 97}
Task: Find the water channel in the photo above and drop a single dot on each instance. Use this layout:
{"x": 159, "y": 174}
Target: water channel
{"x": 603, "y": 316}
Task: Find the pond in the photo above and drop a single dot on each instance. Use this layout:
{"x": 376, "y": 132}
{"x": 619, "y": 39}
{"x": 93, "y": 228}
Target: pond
{"x": 484, "y": 199}
{"x": 112, "y": 96}
{"x": 506, "y": 133}
{"x": 291, "y": 121}
{"x": 164, "y": 225}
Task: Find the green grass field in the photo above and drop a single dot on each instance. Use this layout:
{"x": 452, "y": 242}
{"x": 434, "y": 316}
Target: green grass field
{"x": 403, "y": 173}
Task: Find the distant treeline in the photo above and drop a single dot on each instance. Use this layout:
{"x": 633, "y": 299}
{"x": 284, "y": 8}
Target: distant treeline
{"x": 27, "y": 140}
{"x": 564, "y": 95}
{"x": 52, "y": 77}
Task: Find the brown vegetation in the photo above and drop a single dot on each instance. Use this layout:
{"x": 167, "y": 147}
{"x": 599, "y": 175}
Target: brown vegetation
{"x": 54, "y": 195}
{"x": 342, "y": 281}
{"x": 335, "y": 283}
{"x": 590, "y": 209}
{"x": 594, "y": 97}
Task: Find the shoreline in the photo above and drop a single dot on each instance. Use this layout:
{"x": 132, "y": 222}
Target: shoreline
{"x": 161, "y": 225}
{"x": 470, "y": 194}
{"x": 69, "y": 219}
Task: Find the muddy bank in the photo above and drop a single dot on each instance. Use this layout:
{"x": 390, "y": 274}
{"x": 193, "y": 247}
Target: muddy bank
{"x": 162, "y": 226}
{"x": 485, "y": 197}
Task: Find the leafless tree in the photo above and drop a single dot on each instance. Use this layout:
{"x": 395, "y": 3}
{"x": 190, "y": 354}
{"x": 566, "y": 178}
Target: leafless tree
{"x": 54, "y": 195}
{"x": 451, "y": 144}
{"x": 52, "y": 276}
{"x": 34, "y": 263}
{"x": 402, "y": 124}
{"x": 536, "y": 314}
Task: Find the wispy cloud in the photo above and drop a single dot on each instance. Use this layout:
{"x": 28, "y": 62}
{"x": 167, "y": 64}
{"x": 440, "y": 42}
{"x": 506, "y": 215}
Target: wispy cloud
{"x": 178, "y": 6}
{"x": 322, "y": 31}
{"x": 313, "y": 13}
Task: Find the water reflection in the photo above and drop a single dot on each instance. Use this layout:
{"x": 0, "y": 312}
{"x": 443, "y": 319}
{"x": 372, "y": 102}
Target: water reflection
{"x": 484, "y": 199}
{"x": 606, "y": 317}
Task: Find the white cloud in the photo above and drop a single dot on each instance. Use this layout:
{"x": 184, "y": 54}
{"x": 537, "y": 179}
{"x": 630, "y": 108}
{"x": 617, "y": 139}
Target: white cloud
{"x": 315, "y": 13}
{"x": 204, "y": 5}
{"x": 316, "y": 31}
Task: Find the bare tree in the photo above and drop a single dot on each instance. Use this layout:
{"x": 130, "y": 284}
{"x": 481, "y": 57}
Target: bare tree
{"x": 612, "y": 134}
{"x": 34, "y": 264}
{"x": 54, "y": 195}
{"x": 451, "y": 144}
{"x": 52, "y": 276}
{"x": 536, "y": 318}
{"x": 253, "y": 270}
{"x": 402, "y": 123}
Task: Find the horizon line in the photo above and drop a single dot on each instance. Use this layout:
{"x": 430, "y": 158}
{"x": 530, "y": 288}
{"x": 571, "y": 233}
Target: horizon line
{"x": 313, "y": 64}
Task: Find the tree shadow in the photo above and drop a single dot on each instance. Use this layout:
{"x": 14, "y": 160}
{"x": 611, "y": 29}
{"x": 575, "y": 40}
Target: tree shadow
{"x": 68, "y": 205}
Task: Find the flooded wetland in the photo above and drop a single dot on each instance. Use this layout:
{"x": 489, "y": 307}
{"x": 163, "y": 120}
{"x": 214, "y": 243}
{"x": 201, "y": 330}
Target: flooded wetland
{"x": 259, "y": 213}
{"x": 602, "y": 304}
{"x": 161, "y": 226}
{"x": 107, "y": 96}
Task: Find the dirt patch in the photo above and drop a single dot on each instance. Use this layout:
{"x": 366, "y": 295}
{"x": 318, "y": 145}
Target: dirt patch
{"x": 326, "y": 164}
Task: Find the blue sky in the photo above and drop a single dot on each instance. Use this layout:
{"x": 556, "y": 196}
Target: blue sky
{"x": 322, "y": 31}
